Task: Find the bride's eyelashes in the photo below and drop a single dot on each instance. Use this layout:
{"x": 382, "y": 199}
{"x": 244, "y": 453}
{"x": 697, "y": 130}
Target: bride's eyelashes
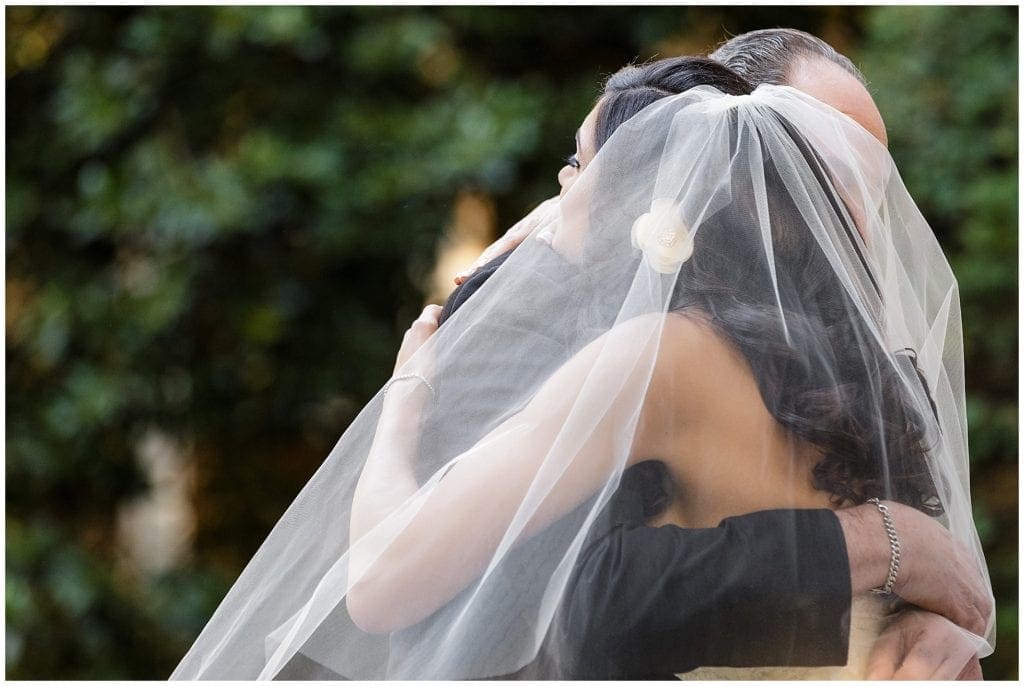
{"x": 573, "y": 161}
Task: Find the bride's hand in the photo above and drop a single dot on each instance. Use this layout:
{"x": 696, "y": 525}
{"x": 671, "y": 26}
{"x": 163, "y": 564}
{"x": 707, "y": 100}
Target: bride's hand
{"x": 417, "y": 334}
{"x": 920, "y": 645}
{"x": 511, "y": 238}
{"x": 937, "y": 572}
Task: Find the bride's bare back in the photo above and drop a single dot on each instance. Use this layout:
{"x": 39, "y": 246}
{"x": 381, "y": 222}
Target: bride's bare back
{"x": 731, "y": 456}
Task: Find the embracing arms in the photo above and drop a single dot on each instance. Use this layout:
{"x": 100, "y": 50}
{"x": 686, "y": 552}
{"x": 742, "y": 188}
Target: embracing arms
{"x": 457, "y": 529}
{"x": 461, "y": 522}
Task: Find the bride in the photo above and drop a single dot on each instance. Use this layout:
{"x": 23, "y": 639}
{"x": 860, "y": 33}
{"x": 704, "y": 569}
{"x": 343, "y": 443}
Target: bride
{"x": 733, "y": 307}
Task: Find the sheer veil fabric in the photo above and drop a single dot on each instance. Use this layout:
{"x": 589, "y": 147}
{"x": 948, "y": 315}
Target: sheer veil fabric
{"x": 439, "y": 537}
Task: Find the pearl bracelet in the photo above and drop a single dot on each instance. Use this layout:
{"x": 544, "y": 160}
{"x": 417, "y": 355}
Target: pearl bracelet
{"x": 403, "y": 377}
{"x": 894, "y": 548}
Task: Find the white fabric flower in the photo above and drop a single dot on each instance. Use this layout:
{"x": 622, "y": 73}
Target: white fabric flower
{"x": 662, "y": 236}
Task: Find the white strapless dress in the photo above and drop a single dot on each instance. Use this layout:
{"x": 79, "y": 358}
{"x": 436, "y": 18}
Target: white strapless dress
{"x": 867, "y": 619}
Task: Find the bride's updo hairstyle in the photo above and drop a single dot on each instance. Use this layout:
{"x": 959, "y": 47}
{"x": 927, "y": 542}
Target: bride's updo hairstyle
{"x": 634, "y": 87}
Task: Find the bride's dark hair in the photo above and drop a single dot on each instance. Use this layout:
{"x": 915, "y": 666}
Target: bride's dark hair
{"x": 797, "y": 384}
{"x": 634, "y": 87}
{"x": 865, "y": 423}
{"x": 820, "y": 369}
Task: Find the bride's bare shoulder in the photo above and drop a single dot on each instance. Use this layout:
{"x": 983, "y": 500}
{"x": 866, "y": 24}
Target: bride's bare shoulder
{"x": 696, "y": 372}
{"x": 693, "y": 349}
{"x": 693, "y": 363}
{"x": 690, "y": 348}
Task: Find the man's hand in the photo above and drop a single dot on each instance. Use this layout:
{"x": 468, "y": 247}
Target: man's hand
{"x": 919, "y": 645}
{"x": 511, "y": 238}
{"x": 940, "y": 573}
{"x": 937, "y": 572}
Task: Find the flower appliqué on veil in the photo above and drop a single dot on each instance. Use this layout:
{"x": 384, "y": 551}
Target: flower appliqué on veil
{"x": 665, "y": 240}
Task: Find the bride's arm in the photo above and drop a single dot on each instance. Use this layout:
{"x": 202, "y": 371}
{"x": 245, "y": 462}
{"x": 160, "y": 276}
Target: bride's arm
{"x": 403, "y": 573}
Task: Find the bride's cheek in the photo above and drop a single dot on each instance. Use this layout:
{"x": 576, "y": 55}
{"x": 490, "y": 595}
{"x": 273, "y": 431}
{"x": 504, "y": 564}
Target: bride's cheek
{"x": 569, "y": 231}
{"x": 572, "y": 221}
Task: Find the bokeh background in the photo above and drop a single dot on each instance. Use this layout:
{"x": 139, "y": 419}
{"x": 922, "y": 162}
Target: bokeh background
{"x": 220, "y": 220}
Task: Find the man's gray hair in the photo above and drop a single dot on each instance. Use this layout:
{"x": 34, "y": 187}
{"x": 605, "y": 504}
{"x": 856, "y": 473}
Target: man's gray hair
{"x": 768, "y": 55}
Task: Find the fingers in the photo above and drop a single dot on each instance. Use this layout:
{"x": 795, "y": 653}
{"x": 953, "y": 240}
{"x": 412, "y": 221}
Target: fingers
{"x": 935, "y": 659}
{"x": 886, "y": 656}
{"x": 422, "y": 328}
{"x": 971, "y": 671}
{"x": 920, "y": 663}
{"x": 511, "y": 239}
{"x": 429, "y": 316}
{"x": 921, "y": 645}
{"x": 953, "y": 666}
{"x": 972, "y": 601}
{"x": 424, "y": 325}
{"x": 941, "y": 574}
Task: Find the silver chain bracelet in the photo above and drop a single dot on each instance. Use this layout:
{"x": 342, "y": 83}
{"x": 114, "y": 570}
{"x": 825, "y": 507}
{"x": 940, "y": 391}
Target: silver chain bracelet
{"x": 894, "y": 548}
{"x": 403, "y": 377}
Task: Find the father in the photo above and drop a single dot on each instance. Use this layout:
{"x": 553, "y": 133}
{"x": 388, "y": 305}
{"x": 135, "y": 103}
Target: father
{"x": 921, "y": 643}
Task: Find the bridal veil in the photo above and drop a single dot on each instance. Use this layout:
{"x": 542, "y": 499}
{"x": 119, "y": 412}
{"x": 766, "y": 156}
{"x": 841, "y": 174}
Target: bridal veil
{"x": 439, "y": 537}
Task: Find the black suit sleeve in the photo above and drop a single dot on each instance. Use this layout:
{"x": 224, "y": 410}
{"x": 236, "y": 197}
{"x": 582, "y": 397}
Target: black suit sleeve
{"x": 768, "y": 588}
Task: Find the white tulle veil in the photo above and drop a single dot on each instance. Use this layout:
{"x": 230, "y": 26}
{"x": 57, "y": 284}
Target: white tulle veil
{"x": 438, "y": 538}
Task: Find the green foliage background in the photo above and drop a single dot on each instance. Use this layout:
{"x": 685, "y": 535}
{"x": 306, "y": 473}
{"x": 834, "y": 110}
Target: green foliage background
{"x": 220, "y": 220}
